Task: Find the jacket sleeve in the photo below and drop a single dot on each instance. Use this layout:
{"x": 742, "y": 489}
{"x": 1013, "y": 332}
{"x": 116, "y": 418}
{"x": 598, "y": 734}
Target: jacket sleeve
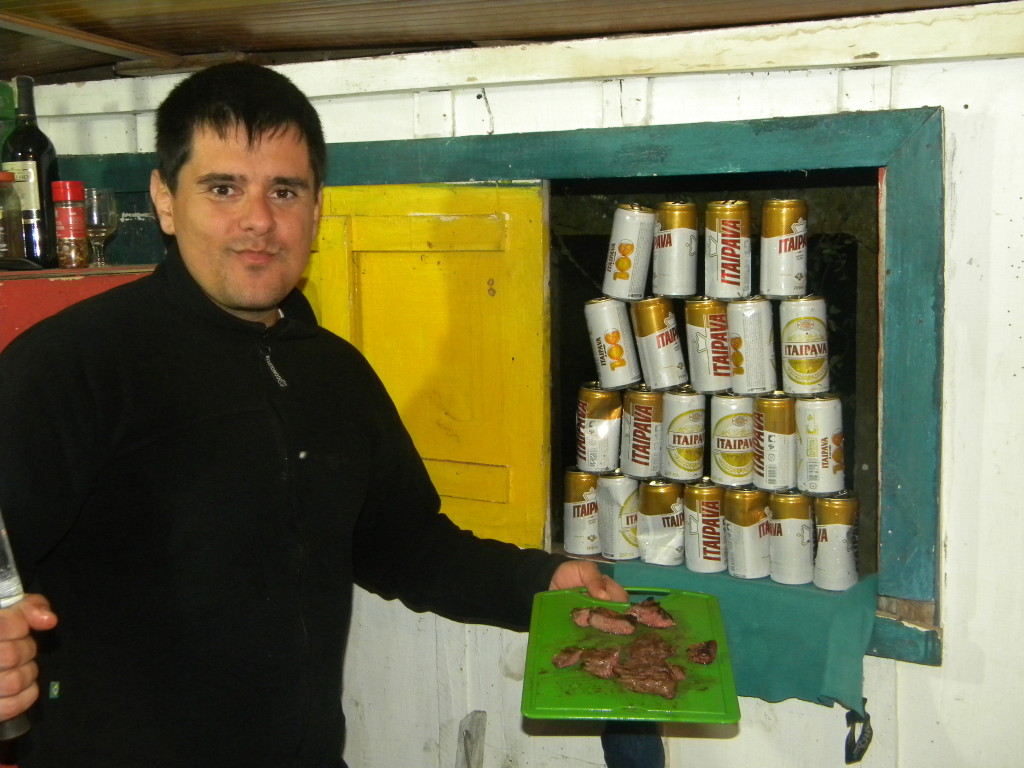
{"x": 430, "y": 563}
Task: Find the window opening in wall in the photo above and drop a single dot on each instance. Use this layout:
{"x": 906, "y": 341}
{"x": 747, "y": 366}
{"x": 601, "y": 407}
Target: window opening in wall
{"x": 843, "y": 237}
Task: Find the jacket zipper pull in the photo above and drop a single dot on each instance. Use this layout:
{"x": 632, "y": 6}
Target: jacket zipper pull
{"x": 265, "y": 350}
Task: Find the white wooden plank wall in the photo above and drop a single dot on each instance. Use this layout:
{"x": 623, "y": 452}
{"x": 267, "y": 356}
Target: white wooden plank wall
{"x": 406, "y": 710}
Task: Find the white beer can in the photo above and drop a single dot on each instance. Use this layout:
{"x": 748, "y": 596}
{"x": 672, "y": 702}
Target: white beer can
{"x": 774, "y": 442}
{"x": 835, "y": 559}
{"x": 661, "y": 523}
{"x": 611, "y": 341}
{"x": 674, "y": 262}
{"x": 629, "y": 252}
{"x": 745, "y": 511}
{"x": 618, "y": 505}
{"x": 704, "y": 541}
{"x": 820, "y": 461}
{"x": 580, "y": 530}
{"x": 732, "y": 440}
{"x": 783, "y": 248}
{"x": 682, "y": 434}
{"x": 657, "y": 341}
{"x": 792, "y": 538}
{"x": 598, "y": 428}
{"x": 804, "y": 343}
{"x": 707, "y": 345}
{"x": 752, "y": 344}
{"x": 727, "y": 250}
{"x": 640, "y": 449}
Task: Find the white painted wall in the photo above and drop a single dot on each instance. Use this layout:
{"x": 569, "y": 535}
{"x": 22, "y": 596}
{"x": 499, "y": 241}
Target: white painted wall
{"x": 968, "y": 61}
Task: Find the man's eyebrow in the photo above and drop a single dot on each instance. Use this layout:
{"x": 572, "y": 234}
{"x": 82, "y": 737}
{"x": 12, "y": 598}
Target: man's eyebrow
{"x": 295, "y": 182}
{"x": 218, "y": 178}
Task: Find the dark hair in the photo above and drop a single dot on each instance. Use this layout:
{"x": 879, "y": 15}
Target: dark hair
{"x": 262, "y": 101}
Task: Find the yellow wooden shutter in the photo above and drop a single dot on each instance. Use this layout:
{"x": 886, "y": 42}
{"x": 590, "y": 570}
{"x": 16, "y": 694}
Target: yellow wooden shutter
{"x": 444, "y": 289}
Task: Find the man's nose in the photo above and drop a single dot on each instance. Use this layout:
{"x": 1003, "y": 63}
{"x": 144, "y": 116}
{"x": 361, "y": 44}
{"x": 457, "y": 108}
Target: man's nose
{"x": 257, "y": 215}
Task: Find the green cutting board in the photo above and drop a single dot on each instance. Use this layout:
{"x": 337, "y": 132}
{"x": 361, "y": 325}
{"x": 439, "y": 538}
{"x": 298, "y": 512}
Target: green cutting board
{"x": 707, "y": 695}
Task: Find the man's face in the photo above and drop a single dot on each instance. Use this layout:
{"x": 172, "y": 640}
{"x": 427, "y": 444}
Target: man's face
{"x": 244, "y": 217}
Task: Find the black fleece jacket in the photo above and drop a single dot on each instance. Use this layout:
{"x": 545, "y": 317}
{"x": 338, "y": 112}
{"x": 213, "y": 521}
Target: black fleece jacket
{"x": 196, "y": 495}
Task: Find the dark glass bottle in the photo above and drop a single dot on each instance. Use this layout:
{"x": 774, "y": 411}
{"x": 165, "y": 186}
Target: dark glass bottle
{"x": 29, "y": 154}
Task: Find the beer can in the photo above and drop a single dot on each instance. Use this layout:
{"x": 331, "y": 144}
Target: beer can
{"x": 804, "y": 344}
{"x": 774, "y": 442}
{"x": 820, "y": 461}
{"x": 617, "y": 510}
{"x": 598, "y": 428}
{"x": 745, "y": 513}
{"x": 783, "y": 248}
{"x": 732, "y": 439}
{"x": 707, "y": 345}
{"x": 704, "y": 542}
{"x": 629, "y": 252}
{"x": 661, "y": 524}
{"x": 674, "y": 260}
{"x": 640, "y": 449}
{"x": 791, "y": 544}
{"x": 657, "y": 341}
{"x": 727, "y": 249}
{"x": 611, "y": 340}
{"x": 835, "y": 559}
{"x": 682, "y": 434}
{"x": 580, "y": 531}
{"x": 752, "y": 346}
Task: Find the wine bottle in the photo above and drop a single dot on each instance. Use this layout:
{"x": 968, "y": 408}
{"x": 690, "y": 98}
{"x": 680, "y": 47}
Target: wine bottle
{"x": 29, "y": 154}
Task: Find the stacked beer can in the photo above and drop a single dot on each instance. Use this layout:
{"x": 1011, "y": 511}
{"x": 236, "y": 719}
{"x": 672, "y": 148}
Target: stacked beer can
{"x": 696, "y": 446}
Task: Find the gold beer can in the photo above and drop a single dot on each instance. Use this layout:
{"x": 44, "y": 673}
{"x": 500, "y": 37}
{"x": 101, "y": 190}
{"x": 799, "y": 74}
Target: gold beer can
{"x": 752, "y": 345}
{"x": 704, "y": 540}
{"x": 640, "y": 448}
{"x": 747, "y": 532}
{"x": 661, "y": 524}
{"x": 804, "y": 343}
{"x": 657, "y": 342}
{"x": 629, "y": 252}
{"x": 774, "y": 442}
{"x": 791, "y": 544}
{"x": 682, "y": 434}
{"x": 727, "y": 249}
{"x": 835, "y": 559}
{"x": 674, "y": 260}
{"x": 598, "y": 428}
{"x": 732, "y": 439}
{"x": 707, "y": 345}
{"x": 611, "y": 341}
{"x": 580, "y": 531}
{"x": 783, "y": 249}
{"x": 820, "y": 461}
{"x": 617, "y": 511}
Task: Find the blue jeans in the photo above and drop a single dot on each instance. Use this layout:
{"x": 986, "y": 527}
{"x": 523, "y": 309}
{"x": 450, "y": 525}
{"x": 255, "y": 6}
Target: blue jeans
{"x": 632, "y": 745}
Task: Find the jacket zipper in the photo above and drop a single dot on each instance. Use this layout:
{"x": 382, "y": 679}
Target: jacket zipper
{"x": 265, "y": 351}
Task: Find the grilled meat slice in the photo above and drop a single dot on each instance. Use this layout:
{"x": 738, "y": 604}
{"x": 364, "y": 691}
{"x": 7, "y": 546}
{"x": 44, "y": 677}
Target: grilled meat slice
{"x": 651, "y": 614}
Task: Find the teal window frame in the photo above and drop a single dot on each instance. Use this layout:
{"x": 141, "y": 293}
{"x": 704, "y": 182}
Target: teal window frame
{"x": 906, "y": 147}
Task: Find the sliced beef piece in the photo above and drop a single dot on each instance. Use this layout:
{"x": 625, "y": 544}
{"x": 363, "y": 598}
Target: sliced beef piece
{"x": 646, "y": 677}
{"x": 650, "y": 647}
{"x": 611, "y": 622}
{"x": 651, "y": 614}
{"x": 567, "y": 657}
{"x": 600, "y": 662}
{"x": 580, "y": 616}
{"x": 703, "y": 653}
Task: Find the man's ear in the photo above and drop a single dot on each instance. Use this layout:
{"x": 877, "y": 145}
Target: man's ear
{"x": 162, "y": 202}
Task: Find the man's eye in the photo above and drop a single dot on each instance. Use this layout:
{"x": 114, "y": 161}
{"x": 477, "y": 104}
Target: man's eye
{"x": 221, "y": 190}
{"x": 284, "y": 193}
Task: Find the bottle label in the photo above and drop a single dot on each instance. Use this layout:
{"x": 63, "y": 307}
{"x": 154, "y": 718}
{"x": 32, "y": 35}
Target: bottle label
{"x": 70, "y": 222}
{"x": 25, "y": 183}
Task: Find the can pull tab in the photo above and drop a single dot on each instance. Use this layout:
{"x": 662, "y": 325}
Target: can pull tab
{"x": 857, "y": 745}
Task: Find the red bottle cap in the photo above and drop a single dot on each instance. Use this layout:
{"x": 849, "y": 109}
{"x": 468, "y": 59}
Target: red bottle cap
{"x": 68, "y": 191}
{"x": 6, "y": 176}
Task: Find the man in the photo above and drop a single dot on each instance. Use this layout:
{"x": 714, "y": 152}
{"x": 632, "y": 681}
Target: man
{"x": 195, "y": 474}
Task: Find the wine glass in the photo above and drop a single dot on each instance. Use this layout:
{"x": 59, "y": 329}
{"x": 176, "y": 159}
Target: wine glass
{"x": 100, "y": 220}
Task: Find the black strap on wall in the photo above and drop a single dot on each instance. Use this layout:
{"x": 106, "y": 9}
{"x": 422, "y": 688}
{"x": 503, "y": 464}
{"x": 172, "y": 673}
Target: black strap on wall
{"x": 857, "y": 744}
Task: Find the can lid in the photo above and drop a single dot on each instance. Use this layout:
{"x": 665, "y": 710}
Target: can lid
{"x": 6, "y": 176}
{"x": 68, "y": 191}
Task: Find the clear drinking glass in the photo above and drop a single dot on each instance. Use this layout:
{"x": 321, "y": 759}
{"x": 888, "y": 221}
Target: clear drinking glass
{"x": 100, "y": 221}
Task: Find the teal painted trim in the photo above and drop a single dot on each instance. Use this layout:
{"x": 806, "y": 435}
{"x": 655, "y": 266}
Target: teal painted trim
{"x": 123, "y": 172}
{"x": 912, "y": 366}
{"x": 892, "y": 639}
{"x": 849, "y": 140}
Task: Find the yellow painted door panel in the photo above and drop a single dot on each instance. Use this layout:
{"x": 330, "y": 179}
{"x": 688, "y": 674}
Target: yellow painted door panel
{"x": 444, "y": 289}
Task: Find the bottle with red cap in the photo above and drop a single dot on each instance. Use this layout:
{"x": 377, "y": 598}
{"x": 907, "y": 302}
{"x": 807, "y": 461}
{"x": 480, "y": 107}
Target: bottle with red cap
{"x": 69, "y": 210}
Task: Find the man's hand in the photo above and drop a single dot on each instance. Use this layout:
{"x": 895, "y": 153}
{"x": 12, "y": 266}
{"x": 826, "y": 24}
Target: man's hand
{"x": 18, "y": 670}
{"x": 584, "y": 573}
